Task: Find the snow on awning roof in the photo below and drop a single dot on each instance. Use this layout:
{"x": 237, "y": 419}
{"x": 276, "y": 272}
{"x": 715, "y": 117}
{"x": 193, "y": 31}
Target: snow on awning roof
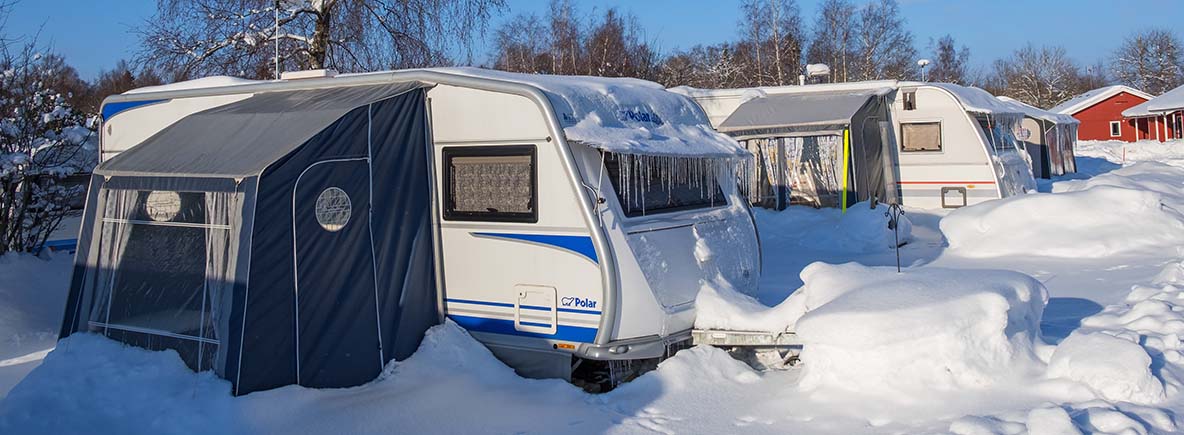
{"x": 1170, "y": 101}
{"x": 624, "y": 115}
{"x": 977, "y": 100}
{"x": 1035, "y": 112}
{"x": 799, "y": 110}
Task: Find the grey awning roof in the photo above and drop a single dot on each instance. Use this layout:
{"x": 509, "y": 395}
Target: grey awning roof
{"x": 243, "y": 138}
{"x": 798, "y": 111}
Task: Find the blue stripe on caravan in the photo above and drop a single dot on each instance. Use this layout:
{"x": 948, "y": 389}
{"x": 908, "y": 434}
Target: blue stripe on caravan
{"x": 573, "y": 310}
{"x": 111, "y": 109}
{"x": 525, "y": 307}
{"x": 499, "y": 326}
{"x": 581, "y": 245}
{"x": 537, "y": 325}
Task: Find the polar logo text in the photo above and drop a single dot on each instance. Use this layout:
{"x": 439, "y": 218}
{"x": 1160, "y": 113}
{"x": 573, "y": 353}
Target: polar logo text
{"x": 570, "y": 301}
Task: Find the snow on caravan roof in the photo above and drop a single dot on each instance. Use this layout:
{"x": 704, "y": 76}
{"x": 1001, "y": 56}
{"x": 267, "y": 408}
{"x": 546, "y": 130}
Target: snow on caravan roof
{"x": 204, "y": 82}
{"x": 1039, "y": 113}
{"x": 620, "y": 115}
{"x": 623, "y": 115}
{"x": 1085, "y": 100}
{"x": 1170, "y": 101}
{"x": 976, "y": 100}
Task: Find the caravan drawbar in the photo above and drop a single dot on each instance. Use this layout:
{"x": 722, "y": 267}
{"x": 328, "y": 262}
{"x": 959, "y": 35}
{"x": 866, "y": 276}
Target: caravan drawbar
{"x": 558, "y": 219}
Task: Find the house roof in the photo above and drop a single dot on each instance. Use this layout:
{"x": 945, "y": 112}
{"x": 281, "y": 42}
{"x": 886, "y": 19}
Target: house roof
{"x": 1085, "y": 100}
{"x": 1170, "y": 101}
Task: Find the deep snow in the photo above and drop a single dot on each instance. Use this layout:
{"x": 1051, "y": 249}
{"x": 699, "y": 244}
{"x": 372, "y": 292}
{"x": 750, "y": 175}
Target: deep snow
{"x": 956, "y": 344}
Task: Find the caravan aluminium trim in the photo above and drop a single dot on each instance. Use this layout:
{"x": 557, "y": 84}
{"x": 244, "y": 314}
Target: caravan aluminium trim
{"x": 544, "y": 243}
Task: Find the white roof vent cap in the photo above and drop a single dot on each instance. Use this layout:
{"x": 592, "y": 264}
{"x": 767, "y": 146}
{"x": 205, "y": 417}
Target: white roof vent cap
{"x": 309, "y": 74}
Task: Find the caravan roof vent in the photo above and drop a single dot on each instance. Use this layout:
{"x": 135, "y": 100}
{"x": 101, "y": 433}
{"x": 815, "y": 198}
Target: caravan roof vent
{"x": 308, "y": 74}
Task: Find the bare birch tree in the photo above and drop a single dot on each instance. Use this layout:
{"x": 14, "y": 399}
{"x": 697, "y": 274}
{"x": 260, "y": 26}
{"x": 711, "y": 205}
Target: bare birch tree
{"x": 1042, "y": 77}
{"x": 1150, "y": 60}
{"x": 950, "y": 63}
{"x": 834, "y": 38}
{"x": 189, "y": 38}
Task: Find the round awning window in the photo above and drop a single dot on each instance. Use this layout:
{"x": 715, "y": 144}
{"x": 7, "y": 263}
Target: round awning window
{"x": 162, "y": 206}
{"x": 333, "y": 209}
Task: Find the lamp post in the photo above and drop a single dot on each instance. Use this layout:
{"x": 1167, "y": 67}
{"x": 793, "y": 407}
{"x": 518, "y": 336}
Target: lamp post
{"x": 923, "y": 63}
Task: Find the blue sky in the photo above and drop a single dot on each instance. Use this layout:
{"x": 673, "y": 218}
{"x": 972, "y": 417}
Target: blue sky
{"x": 93, "y": 35}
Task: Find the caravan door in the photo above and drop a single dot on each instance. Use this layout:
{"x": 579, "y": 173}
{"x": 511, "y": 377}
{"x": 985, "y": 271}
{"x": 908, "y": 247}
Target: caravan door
{"x": 337, "y": 341}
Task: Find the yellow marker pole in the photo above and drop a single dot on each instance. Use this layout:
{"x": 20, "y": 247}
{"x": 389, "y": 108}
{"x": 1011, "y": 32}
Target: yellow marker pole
{"x": 846, "y": 165}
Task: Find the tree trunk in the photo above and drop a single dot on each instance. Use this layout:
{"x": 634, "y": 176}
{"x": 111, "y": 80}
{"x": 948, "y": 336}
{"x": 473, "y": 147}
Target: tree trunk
{"x": 318, "y": 48}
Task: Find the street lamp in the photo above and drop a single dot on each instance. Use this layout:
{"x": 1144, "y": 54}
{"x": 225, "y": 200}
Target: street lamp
{"x": 923, "y": 63}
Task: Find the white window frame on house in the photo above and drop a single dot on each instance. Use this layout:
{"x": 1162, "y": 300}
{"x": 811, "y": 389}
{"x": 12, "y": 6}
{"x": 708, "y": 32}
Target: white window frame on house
{"x": 1112, "y": 130}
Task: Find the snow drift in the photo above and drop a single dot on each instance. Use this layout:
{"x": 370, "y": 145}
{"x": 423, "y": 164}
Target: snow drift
{"x": 1116, "y": 369}
{"x": 870, "y": 329}
{"x": 927, "y": 328}
{"x": 1130, "y": 210}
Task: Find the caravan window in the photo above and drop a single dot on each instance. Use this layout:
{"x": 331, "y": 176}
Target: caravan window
{"x": 491, "y": 184}
{"x": 653, "y": 185}
{"x": 920, "y": 136}
{"x": 998, "y": 138}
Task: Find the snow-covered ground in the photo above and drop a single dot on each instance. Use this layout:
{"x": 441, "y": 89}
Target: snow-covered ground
{"x": 1052, "y": 313}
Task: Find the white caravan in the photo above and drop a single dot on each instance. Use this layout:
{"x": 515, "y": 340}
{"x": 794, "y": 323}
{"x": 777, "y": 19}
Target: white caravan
{"x": 574, "y": 217}
{"x": 955, "y": 145}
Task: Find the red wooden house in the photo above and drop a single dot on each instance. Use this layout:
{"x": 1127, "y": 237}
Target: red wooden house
{"x": 1160, "y": 118}
{"x": 1100, "y": 113}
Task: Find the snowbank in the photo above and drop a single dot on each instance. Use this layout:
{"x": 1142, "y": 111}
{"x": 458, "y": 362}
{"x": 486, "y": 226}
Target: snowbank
{"x": 1165, "y": 180}
{"x": 1099, "y": 220}
{"x": 93, "y": 385}
{"x": 870, "y": 329}
{"x": 1120, "y": 152}
{"x": 1116, "y": 369}
{"x": 924, "y": 329}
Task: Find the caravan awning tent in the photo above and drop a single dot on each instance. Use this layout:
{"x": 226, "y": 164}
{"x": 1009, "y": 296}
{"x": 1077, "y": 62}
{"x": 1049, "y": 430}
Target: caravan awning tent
{"x": 1050, "y": 141}
{"x": 257, "y": 239}
{"x": 799, "y": 114}
{"x": 830, "y": 148}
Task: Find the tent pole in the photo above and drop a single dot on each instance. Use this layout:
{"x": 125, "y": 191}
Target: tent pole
{"x": 846, "y": 165}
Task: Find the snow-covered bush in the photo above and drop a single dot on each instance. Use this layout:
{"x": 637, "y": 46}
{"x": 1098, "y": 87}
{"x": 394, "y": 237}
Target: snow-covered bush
{"x": 43, "y": 140}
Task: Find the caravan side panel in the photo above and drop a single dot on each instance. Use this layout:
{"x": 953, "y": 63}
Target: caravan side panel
{"x": 963, "y": 163}
{"x": 522, "y": 278}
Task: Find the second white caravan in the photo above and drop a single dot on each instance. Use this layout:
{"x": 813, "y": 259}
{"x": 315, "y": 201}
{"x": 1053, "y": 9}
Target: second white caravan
{"x": 953, "y": 145}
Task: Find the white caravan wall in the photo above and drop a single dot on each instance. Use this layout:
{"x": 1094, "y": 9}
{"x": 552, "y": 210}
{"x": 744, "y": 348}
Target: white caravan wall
{"x": 964, "y": 160}
{"x": 490, "y": 270}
